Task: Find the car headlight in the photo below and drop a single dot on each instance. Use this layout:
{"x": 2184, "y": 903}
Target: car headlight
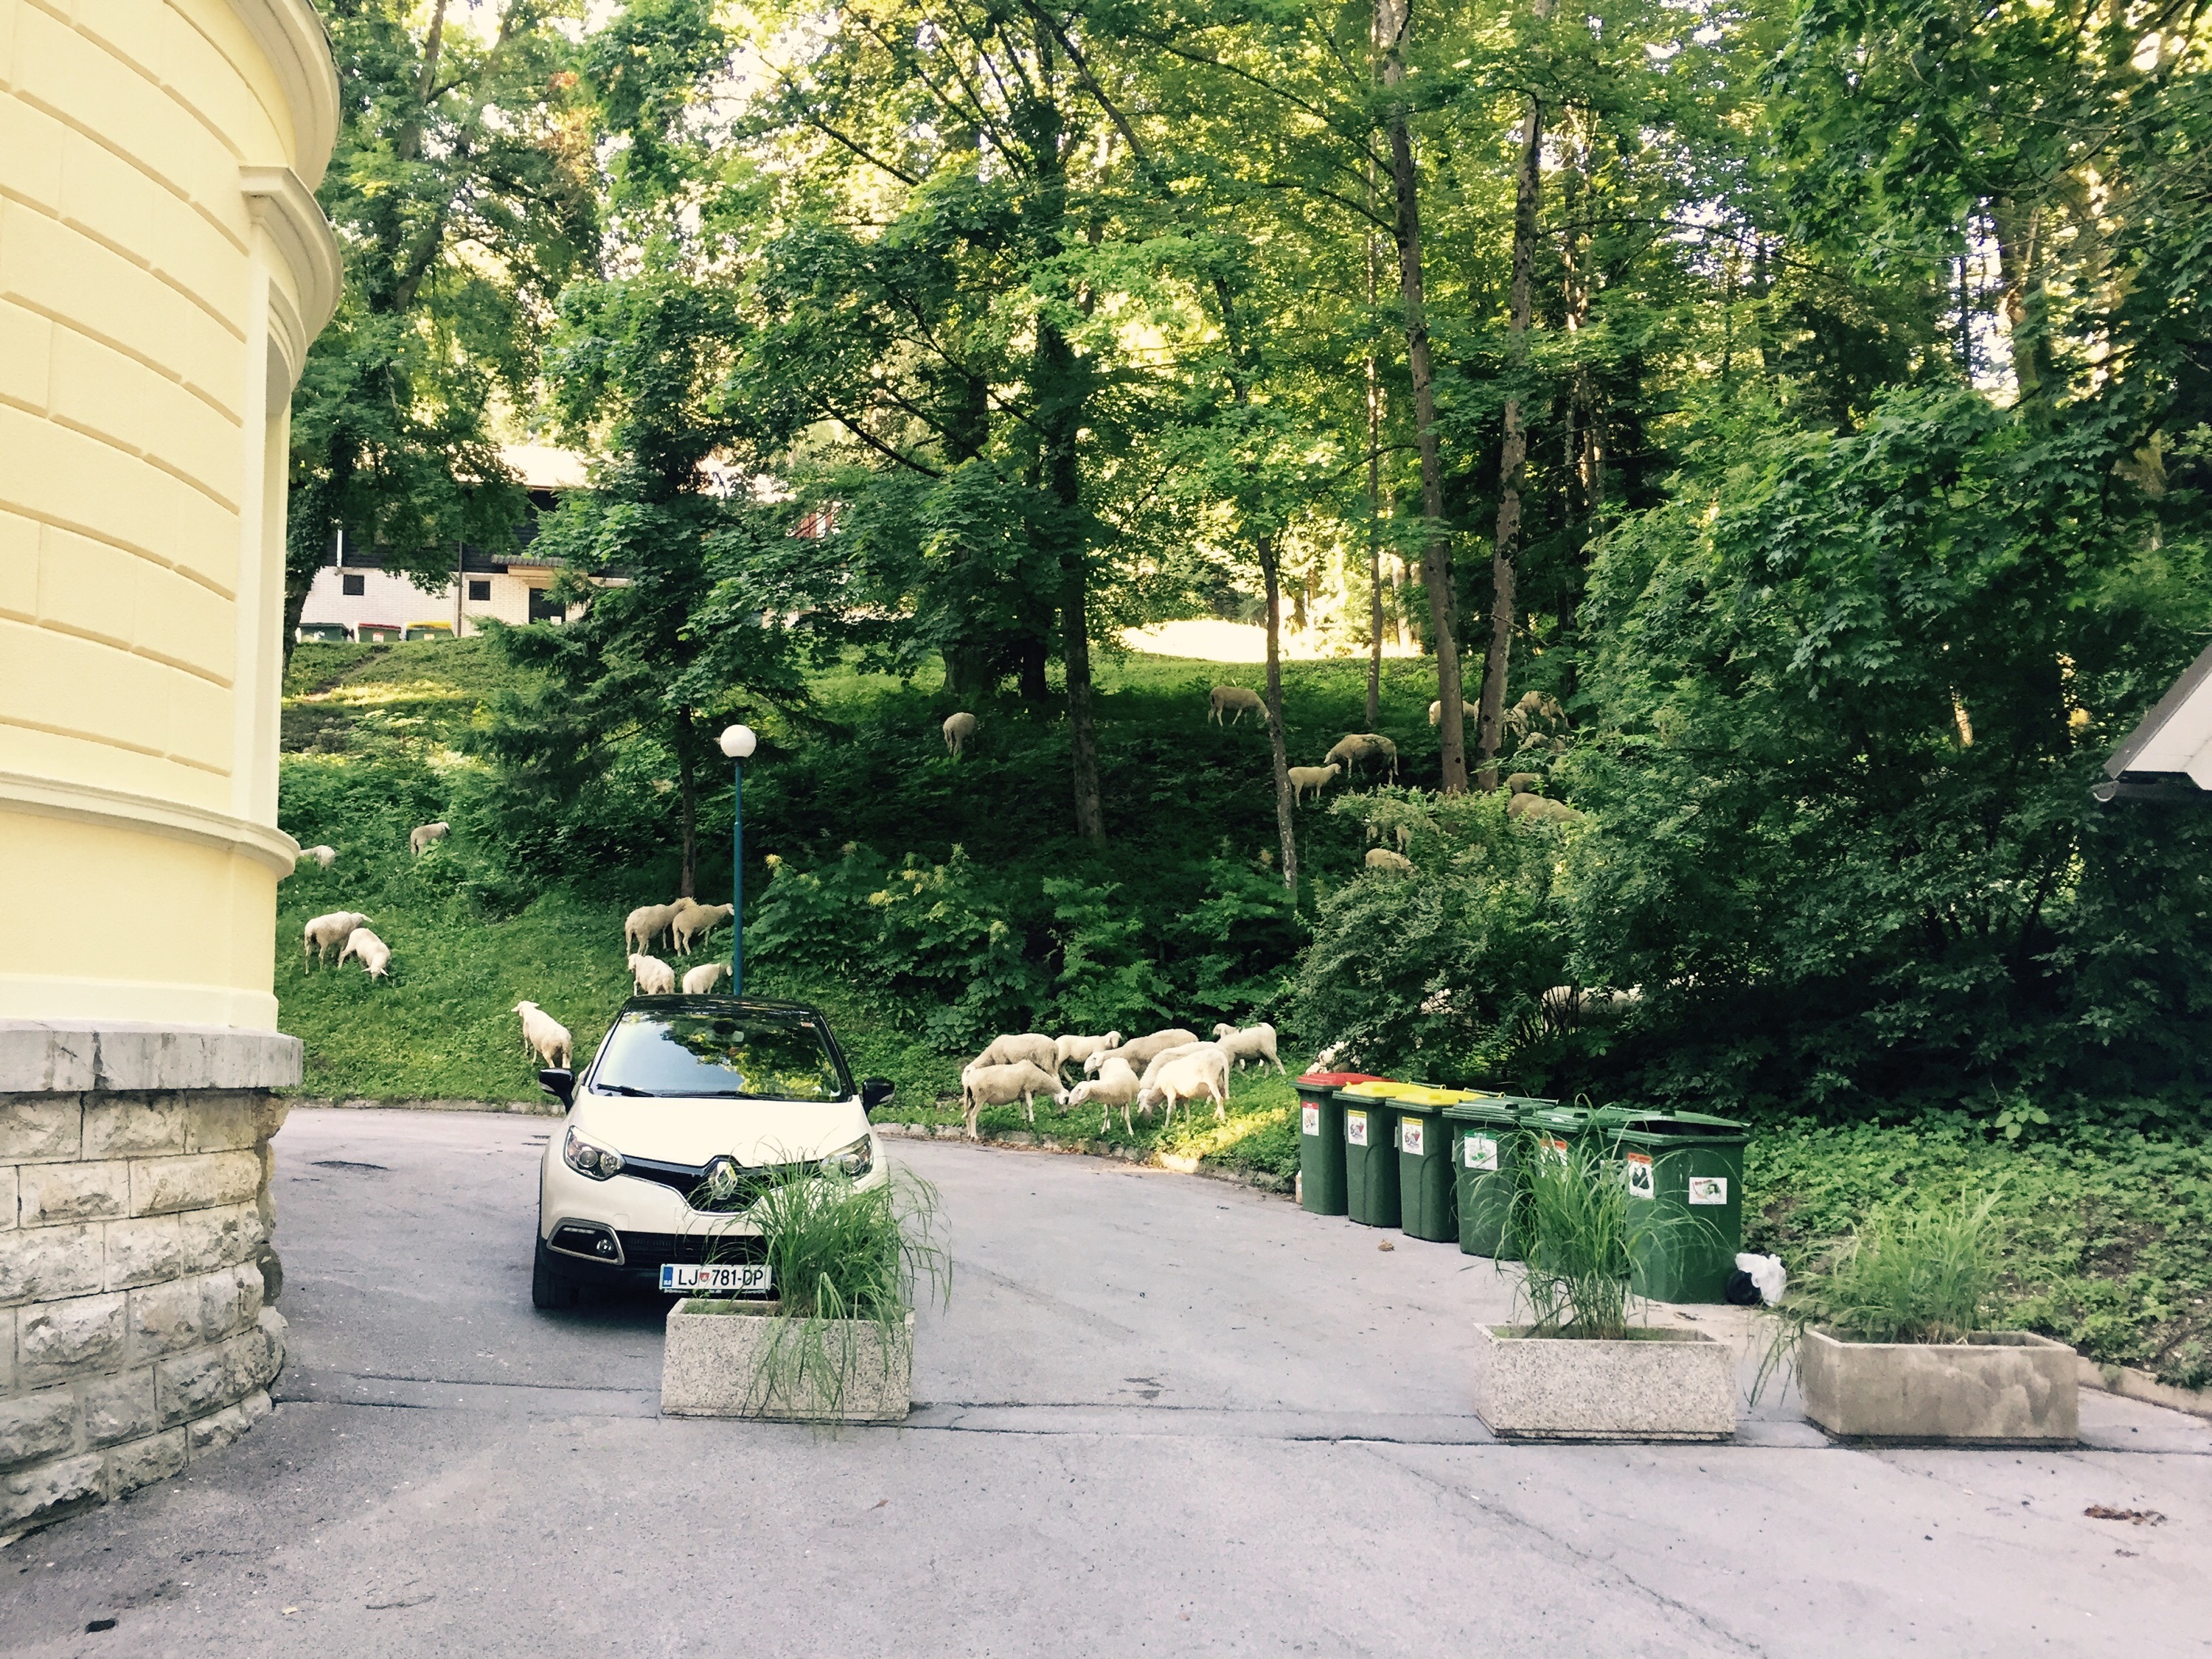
{"x": 854, "y": 1161}
{"x": 586, "y": 1159}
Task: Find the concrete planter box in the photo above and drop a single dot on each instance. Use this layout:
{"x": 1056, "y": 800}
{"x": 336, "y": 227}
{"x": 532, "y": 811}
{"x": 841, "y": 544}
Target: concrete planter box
{"x": 711, "y": 1363}
{"x": 1656, "y": 1385}
{"x": 1996, "y": 1388}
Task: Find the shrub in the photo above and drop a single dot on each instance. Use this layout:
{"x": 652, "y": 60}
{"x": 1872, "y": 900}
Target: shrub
{"x": 1915, "y": 1272}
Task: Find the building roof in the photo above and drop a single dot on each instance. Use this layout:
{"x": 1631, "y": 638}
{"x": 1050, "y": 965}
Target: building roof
{"x": 2171, "y": 751}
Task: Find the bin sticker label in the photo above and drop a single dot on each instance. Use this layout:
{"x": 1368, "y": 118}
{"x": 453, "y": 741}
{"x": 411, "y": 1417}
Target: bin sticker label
{"x": 1313, "y": 1119}
{"x": 1639, "y": 1175}
{"x": 1481, "y": 1152}
{"x": 1409, "y": 1136}
{"x": 1551, "y": 1145}
{"x": 1355, "y": 1129}
{"x": 1708, "y": 1190}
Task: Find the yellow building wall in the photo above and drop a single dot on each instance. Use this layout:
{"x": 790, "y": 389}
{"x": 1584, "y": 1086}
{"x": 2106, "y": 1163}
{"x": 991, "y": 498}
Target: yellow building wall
{"x": 162, "y": 270}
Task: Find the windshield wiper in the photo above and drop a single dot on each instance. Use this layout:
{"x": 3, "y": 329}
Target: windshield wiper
{"x": 620, "y": 1089}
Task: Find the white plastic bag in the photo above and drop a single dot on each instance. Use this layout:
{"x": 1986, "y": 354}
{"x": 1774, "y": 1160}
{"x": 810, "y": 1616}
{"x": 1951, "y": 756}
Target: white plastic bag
{"x": 1767, "y": 1273}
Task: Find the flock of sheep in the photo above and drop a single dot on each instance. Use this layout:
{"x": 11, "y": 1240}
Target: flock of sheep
{"x": 1177, "y": 1066}
{"x": 687, "y": 923}
{"x": 349, "y": 930}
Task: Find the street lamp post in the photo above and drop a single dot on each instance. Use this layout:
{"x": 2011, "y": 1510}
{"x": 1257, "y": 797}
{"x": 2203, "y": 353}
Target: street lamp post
{"x": 738, "y": 742}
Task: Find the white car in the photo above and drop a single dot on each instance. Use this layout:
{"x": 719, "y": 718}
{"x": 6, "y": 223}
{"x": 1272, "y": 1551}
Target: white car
{"x": 689, "y": 1105}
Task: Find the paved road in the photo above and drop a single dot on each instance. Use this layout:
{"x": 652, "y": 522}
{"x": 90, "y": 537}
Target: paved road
{"x": 1162, "y": 1416}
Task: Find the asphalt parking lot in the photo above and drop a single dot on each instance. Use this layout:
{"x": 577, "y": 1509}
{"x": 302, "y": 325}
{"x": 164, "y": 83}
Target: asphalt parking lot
{"x": 1162, "y": 1415}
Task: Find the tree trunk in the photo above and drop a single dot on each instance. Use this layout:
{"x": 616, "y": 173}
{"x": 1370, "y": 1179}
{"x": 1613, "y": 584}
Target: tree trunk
{"x": 1031, "y": 650}
{"x": 1285, "y": 799}
{"x": 687, "y": 806}
{"x": 1083, "y": 731}
{"x": 1395, "y": 18}
{"x": 2019, "y": 268}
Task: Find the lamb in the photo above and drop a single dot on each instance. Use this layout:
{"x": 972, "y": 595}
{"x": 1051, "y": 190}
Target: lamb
{"x": 693, "y": 922}
{"x": 544, "y": 1036}
{"x": 1241, "y": 698}
{"x": 1315, "y": 778}
{"x": 422, "y": 835}
{"x": 326, "y": 933}
{"x": 1115, "y": 1085}
{"x": 1203, "y": 1071}
{"x": 701, "y": 980}
{"x": 646, "y": 924}
{"x": 1381, "y": 858}
{"x": 1064, "y": 1048}
{"x": 1355, "y": 748}
{"x": 959, "y": 728}
{"x": 999, "y": 1086}
{"x": 1038, "y": 1049}
{"x": 1253, "y": 1042}
{"x": 1541, "y": 809}
{"x": 324, "y": 856}
{"x": 1141, "y": 1051}
{"x": 374, "y": 954}
{"x": 651, "y": 977}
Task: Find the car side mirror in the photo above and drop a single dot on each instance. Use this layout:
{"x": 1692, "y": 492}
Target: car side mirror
{"x": 559, "y": 1082}
{"x": 875, "y": 1090}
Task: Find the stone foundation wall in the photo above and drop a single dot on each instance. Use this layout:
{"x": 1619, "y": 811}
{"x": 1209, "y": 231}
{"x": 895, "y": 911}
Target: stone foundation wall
{"x": 136, "y": 1268}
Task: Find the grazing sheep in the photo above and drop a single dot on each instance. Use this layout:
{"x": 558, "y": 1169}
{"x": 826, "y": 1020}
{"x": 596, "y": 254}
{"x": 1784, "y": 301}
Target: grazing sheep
{"x": 959, "y": 728}
{"x": 1000, "y": 1086}
{"x": 1541, "y": 809}
{"x": 1520, "y": 783}
{"x": 544, "y": 1036}
{"x": 326, "y": 934}
{"x": 324, "y": 856}
{"x": 646, "y": 924}
{"x": 1202, "y": 1070}
{"x": 1315, "y": 778}
{"x": 1241, "y": 698}
{"x": 701, "y": 980}
{"x": 374, "y": 954}
{"x": 653, "y": 976}
{"x": 1159, "y": 1061}
{"x": 1040, "y": 1050}
{"x": 1437, "y": 712}
{"x": 693, "y": 922}
{"x": 1141, "y": 1051}
{"x": 422, "y": 835}
{"x": 1064, "y": 1048}
{"x": 1564, "y": 1007}
{"x": 1356, "y": 748}
{"x": 1253, "y": 1042}
{"x": 1115, "y": 1085}
{"x": 1381, "y": 858}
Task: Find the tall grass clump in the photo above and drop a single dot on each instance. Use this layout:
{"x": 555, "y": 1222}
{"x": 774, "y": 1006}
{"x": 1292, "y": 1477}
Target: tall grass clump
{"x": 1914, "y": 1273}
{"x": 1578, "y": 1232}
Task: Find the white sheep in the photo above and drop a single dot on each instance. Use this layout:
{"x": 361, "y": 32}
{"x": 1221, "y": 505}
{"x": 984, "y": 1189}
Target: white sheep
{"x": 693, "y": 922}
{"x": 422, "y": 835}
{"x": 1541, "y": 809}
{"x": 646, "y": 924}
{"x": 1381, "y": 858}
{"x": 1040, "y": 1050}
{"x": 1141, "y": 1051}
{"x": 1115, "y": 1085}
{"x": 1253, "y": 1042}
{"x": 374, "y": 954}
{"x": 1355, "y": 749}
{"x": 959, "y": 728}
{"x": 324, "y": 856}
{"x": 544, "y": 1036}
{"x": 651, "y": 977}
{"x": 1241, "y": 698}
{"x": 326, "y": 933}
{"x": 1064, "y": 1048}
{"x": 1520, "y": 783}
{"x": 701, "y": 980}
{"x": 1203, "y": 1070}
{"x": 1000, "y": 1086}
{"x": 1316, "y": 778}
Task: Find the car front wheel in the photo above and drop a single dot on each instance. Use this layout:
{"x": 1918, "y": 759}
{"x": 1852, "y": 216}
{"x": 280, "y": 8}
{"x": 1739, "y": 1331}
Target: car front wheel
{"x": 548, "y": 1289}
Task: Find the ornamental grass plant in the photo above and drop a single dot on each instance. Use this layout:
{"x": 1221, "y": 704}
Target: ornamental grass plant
{"x": 1917, "y": 1271}
{"x": 1578, "y": 1232}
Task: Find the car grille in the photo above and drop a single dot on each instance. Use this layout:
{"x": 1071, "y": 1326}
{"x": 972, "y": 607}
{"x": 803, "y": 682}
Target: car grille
{"x": 649, "y": 1251}
{"x": 736, "y": 1193}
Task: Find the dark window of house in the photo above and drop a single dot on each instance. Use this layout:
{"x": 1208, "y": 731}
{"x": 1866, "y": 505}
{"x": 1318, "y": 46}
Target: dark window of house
{"x": 353, "y": 586}
{"x": 479, "y": 592}
{"x": 543, "y": 607}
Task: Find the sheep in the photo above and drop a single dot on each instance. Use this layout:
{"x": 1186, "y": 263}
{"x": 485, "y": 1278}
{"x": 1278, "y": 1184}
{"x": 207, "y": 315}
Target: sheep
{"x": 646, "y": 924}
{"x": 1381, "y": 858}
{"x": 693, "y": 922}
{"x": 423, "y": 834}
{"x": 374, "y": 954}
{"x": 1520, "y": 783}
{"x": 651, "y": 977}
{"x": 1541, "y": 809}
{"x": 1253, "y": 1042}
{"x": 959, "y": 728}
{"x": 1315, "y": 778}
{"x": 1564, "y": 1007}
{"x": 324, "y": 856}
{"x": 1355, "y": 748}
{"x": 1000, "y": 1086}
{"x": 1115, "y": 1085}
{"x": 1437, "y": 712}
{"x": 1159, "y": 1061}
{"x": 701, "y": 980}
{"x": 1241, "y": 698}
{"x": 1064, "y": 1048}
{"x": 1040, "y": 1050}
{"x": 1141, "y": 1050}
{"x": 326, "y": 934}
{"x": 544, "y": 1036}
{"x": 1202, "y": 1070}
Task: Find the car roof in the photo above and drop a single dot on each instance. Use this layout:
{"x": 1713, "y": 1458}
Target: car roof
{"x": 680, "y": 1003}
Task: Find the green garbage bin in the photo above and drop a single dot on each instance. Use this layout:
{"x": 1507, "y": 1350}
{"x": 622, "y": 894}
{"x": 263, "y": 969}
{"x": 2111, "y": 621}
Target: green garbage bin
{"x": 1688, "y": 1168}
{"x": 1320, "y": 1140}
{"x": 1485, "y": 1153}
{"x": 1428, "y": 1205}
{"x": 1371, "y": 1151}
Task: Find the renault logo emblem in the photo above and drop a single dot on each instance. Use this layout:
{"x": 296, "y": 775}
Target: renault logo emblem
{"x": 722, "y": 1179}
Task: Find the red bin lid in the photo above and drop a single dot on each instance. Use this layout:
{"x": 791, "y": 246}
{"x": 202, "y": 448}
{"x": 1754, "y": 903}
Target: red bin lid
{"x": 1338, "y": 1079}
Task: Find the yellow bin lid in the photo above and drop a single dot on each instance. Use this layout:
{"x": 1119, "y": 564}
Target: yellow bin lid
{"x": 1417, "y": 1095}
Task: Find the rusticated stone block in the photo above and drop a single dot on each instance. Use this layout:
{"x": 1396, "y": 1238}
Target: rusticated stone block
{"x": 36, "y": 1425}
{"x": 38, "y": 1128}
{"x": 47, "y": 1491}
{"x": 119, "y": 1407}
{"x": 165, "y": 1319}
{"x": 206, "y": 1380}
{"x": 8, "y": 1190}
{"x": 217, "y": 1237}
{"x": 142, "y": 1462}
{"x": 214, "y": 1432}
{"x": 42, "y": 1263}
{"x": 145, "y": 1251}
{"x": 236, "y": 1122}
{"x": 55, "y": 1339}
{"x": 135, "y": 1126}
{"x": 56, "y": 1192}
{"x": 162, "y": 1186}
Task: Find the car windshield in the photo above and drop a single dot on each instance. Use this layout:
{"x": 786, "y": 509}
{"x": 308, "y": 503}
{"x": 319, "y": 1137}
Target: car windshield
{"x": 734, "y": 1056}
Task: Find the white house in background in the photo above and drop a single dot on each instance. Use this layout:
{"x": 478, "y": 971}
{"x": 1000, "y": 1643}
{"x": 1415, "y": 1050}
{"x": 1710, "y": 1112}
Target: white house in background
{"x": 353, "y": 593}
{"x": 2170, "y": 756}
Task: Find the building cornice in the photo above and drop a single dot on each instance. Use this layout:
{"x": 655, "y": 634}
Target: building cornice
{"x": 148, "y": 815}
{"x": 290, "y": 36}
{"x": 293, "y": 220}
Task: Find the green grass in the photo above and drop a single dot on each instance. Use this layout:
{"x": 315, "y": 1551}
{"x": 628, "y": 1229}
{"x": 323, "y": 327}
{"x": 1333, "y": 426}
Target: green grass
{"x": 1913, "y": 1272}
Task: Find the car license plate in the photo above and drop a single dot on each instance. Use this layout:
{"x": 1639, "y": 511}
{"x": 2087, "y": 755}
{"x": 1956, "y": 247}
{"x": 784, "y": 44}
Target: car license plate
{"x": 731, "y": 1278}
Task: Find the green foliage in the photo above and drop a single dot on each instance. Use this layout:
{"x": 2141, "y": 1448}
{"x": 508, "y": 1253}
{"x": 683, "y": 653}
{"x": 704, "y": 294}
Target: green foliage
{"x": 1571, "y": 1222}
{"x": 1911, "y": 1272}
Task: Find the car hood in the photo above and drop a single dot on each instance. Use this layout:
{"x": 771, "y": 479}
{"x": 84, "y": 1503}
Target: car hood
{"x": 692, "y": 1132}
